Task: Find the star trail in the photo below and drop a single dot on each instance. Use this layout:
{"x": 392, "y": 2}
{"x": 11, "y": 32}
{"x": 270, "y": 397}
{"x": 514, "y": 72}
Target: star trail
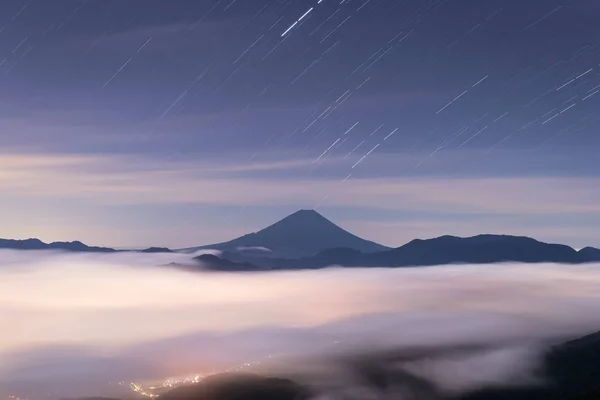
{"x": 359, "y": 89}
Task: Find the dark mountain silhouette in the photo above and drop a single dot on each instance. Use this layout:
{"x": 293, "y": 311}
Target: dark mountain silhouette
{"x": 575, "y": 366}
{"x": 482, "y": 249}
{"x": 36, "y": 244}
{"x": 590, "y": 254}
{"x": 304, "y": 233}
{"x": 91, "y": 398}
{"x": 215, "y": 263}
{"x": 240, "y": 387}
{"x": 344, "y": 257}
{"x": 156, "y": 250}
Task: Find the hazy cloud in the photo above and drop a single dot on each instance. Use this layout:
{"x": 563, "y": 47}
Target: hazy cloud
{"x": 78, "y": 315}
{"x": 126, "y": 180}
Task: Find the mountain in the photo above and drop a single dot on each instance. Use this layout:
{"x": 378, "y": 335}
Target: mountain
{"x": 91, "y": 398}
{"x": 304, "y": 233}
{"x": 36, "y": 244}
{"x": 215, "y": 263}
{"x": 590, "y": 254}
{"x": 240, "y": 387}
{"x": 156, "y": 250}
{"x": 481, "y": 249}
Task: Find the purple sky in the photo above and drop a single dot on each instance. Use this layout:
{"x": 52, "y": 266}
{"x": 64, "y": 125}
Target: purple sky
{"x": 178, "y": 123}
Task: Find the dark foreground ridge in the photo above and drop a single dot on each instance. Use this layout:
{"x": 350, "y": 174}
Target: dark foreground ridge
{"x": 92, "y": 398}
{"x": 482, "y": 249}
{"x": 572, "y": 370}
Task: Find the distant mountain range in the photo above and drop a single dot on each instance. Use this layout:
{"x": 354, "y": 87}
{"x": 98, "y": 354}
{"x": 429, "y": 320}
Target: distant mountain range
{"x": 307, "y": 240}
{"x": 36, "y": 244}
{"x": 482, "y": 249}
{"x": 303, "y": 233}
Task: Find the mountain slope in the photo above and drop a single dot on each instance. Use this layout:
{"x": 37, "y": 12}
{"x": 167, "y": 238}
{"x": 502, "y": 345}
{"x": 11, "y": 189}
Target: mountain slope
{"x": 304, "y": 233}
{"x": 589, "y": 254}
{"x": 571, "y": 369}
{"x": 240, "y": 387}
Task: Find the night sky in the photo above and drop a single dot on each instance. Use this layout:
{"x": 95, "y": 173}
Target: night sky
{"x": 187, "y": 122}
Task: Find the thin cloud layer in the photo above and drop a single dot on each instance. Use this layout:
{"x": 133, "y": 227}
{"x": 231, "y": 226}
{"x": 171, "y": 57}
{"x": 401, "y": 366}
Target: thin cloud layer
{"x": 138, "y": 201}
{"x": 117, "y": 180}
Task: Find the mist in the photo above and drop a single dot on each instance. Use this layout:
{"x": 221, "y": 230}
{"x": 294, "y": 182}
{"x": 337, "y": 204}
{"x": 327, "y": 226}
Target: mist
{"x": 77, "y": 324}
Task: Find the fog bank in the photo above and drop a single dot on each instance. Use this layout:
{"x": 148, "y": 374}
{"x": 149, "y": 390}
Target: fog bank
{"x": 76, "y": 322}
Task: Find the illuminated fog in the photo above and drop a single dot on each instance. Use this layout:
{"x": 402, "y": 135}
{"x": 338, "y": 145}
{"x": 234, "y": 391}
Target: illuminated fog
{"x": 73, "y": 318}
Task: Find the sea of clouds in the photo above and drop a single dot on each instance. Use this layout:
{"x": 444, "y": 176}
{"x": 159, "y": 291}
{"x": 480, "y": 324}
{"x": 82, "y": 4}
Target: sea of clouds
{"x": 76, "y": 324}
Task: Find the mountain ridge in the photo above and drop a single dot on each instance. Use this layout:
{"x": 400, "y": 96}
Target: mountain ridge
{"x": 37, "y": 244}
{"x": 444, "y": 250}
{"x": 308, "y": 240}
{"x": 75, "y": 246}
